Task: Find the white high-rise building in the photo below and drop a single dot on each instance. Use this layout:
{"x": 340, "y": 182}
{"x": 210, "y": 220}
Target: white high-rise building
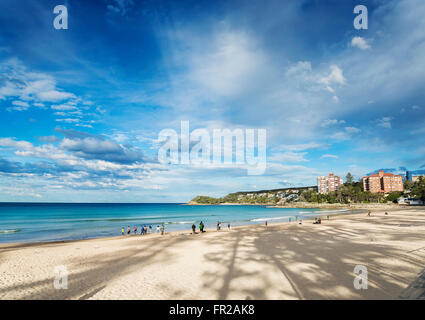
{"x": 326, "y": 184}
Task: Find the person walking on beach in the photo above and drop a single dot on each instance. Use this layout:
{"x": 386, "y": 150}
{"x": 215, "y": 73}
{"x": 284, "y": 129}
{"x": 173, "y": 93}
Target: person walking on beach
{"x": 146, "y": 229}
{"x": 135, "y": 229}
{"x": 228, "y": 226}
{"x": 193, "y": 229}
{"x": 218, "y": 225}
{"x": 128, "y": 230}
{"x": 266, "y": 223}
{"x": 368, "y": 213}
{"x": 157, "y": 229}
{"x": 201, "y": 226}
{"x": 162, "y": 229}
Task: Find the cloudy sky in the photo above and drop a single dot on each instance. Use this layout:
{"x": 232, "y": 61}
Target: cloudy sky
{"x": 81, "y": 109}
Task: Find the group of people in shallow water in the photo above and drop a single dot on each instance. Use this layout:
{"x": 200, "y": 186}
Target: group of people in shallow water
{"x": 144, "y": 229}
{"x": 202, "y": 227}
{"x": 161, "y": 229}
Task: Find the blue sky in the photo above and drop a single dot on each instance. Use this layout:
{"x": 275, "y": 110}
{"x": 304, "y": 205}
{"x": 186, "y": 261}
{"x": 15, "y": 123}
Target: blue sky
{"x": 81, "y": 109}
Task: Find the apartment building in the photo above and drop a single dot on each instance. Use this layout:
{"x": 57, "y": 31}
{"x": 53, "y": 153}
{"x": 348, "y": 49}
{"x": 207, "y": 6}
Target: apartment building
{"x": 384, "y": 182}
{"x": 330, "y": 183}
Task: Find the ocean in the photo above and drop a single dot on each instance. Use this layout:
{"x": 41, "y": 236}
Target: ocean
{"x": 41, "y": 222}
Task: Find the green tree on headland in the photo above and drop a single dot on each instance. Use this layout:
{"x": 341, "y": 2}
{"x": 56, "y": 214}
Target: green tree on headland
{"x": 349, "y": 179}
{"x": 418, "y": 188}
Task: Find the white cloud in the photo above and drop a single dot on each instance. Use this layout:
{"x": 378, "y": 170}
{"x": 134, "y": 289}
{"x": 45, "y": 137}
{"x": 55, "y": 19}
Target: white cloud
{"x": 352, "y": 129}
{"x": 360, "y": 43}
{"x": 19, "y": 106}
{"x": 334, "y": 77}
{"x": 121, "y": 7}
{"x": 63, "y": 107}
{"x": 325, "y": 156}
{"x": 385, "y": 122}
{"x": 341, "y": 136}
{"x": 20, "y": 103}
{"x": 54, "y": 95}
{"x": 288, "y": 157}
{"x": 301, "y": 147}
{"x": 230, "y": 60}
{"x": 68, "y": 120}
{"x": 331, "y": 122}
{"x": 29, "y": 86}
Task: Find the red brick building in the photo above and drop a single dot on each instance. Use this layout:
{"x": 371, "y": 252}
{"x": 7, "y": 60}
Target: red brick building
{"x": 384, "y": 182}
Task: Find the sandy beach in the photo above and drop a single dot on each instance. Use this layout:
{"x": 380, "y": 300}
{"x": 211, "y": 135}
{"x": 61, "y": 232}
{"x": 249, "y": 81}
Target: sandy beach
{"x": 280, "y": 261}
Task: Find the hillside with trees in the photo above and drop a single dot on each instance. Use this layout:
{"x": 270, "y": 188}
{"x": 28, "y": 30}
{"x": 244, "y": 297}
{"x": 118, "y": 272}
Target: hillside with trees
{"x": 350, "y": 192}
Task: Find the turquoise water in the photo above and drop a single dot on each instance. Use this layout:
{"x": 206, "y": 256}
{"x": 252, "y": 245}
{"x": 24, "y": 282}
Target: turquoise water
{"x": 30, "y": 222}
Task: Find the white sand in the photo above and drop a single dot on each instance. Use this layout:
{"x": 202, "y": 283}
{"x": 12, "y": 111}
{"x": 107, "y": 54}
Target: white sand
{"x": 281, "y": 261}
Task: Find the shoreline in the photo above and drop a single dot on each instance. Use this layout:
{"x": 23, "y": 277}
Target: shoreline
{"x": 308, "y": 205}
{"x": 171, "y": 233}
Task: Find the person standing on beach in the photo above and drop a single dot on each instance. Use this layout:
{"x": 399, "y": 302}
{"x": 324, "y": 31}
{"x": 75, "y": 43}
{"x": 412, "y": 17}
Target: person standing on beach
{"x": 266, "y": 223}
{"x": 135, "y": 229}
{"x": 228, "y": 226}
{"x": 122, "y": 230}
{"x": 193, "y": 229}
{"x": 128, "y": 230}
{"x": 218, "y": 225}
{"x": 162, "y": 229}
{"x": 150, "y": 229}
{"x": 157, "y": 229}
